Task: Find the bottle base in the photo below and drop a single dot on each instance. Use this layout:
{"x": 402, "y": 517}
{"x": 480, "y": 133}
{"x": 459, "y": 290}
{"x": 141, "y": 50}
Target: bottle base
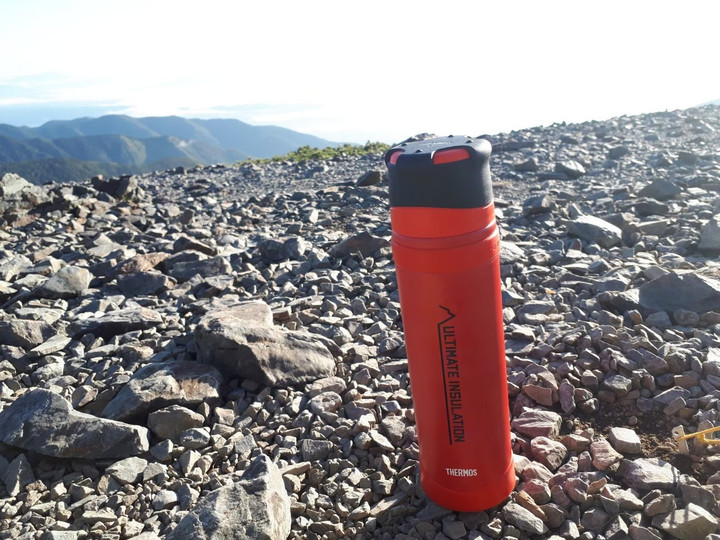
{"x": 471, "y": 501}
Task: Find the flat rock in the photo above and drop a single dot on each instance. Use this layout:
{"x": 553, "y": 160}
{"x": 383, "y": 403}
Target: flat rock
{"x": 594, "y": 229}
{"x": 256, "y": 506}
{"x": 118, "y": 322}
{"x": 689, "y": 523}
{"x": 155, "y": 386}
{"x": 537, "y": 423}
{"x": 260, "y": 352}
{"x": 649, "y": 473}
{"x": 523, "y": 519}
{"x": 625, "y": 440}
{"x": 25, "y": 333}
{"x": 46, "y": 423}
{"x": 185, "y": 270}
{"x": 674, "y": 291}
{"x": 660, "y": 189}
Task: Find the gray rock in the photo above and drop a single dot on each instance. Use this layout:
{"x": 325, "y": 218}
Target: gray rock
{"x": 529, "y": 165}
{"x": 46, "y": 423}
{"x": 662, "y": 504}
{"x": 510, "y": 252}
{"x": 155, "y": 386}
{"x": 594, "y": 229}
{"x": 185, "y": 270}
{"x": 18, "y": 475}
{"x": 617, "y": 152}
{"x": 371, "y": 178}
{"x": 12, "y": 266}
{"x": 195, "y": 438}
{"x": 665, "y": 398}
{"x": 313, "y": 450}
{"x": 68, "y": 282}
{"x": 571, "y": 168}
{"x": 675, "y": 291}
{"x": 548, "y": 452}
{"x": 603, "y": 454}
{"x": 12, "y": 184}
{"x": 689, "y": 523}
{"x": 17, "y": 196}
{"x": 275, "y": 251}
{"x": 25, "y": 333}
{"x": 595, "y": 519}
{"x": 170, "y": 422}
{"x": 55, "y": 344}
{"x": 536, "y": 423}
{"x": 710, "y": 235}
{"x": 165, "y": 499}
{"x": 128, "y": 470}
{"x": 364, "y": 243}
{"x": 523, "y": 519}
{"x": 660, "y": 189}
{"x": 638, "y": 532}
{"x": 255, "y": 507}
{"x": 117, "y": 322}
{"x": 125, "y": 187}
{"x": 262, "y": 353}
{"x": 625, "y": 440}
{"x": 539, "y": 204}
{"x": 143, "y": 283}
{"x": 649, "y": 473}
{"x": 243, "y": 445}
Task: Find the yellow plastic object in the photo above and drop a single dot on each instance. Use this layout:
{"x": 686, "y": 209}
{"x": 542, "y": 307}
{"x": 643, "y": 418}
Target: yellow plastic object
{"x": 700, "y": 437}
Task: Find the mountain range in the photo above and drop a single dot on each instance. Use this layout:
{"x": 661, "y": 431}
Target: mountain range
{"x": 114, "y": 144}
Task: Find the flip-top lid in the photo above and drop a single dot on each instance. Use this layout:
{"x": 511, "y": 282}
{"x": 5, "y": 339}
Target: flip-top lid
{"x": 446, "y": 172}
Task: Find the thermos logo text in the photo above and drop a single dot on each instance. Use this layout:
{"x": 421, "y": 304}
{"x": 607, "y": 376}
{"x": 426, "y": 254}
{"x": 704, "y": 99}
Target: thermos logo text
{"x": 461, "y": 472}
{"x": 451, "y": 378}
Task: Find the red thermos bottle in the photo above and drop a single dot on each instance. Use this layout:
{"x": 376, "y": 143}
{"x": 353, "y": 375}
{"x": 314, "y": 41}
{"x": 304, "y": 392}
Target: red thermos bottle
{"x": 446, "y": 249}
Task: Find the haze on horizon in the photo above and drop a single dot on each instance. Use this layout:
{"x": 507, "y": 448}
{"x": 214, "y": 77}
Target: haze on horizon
{"x": 358, "y": 71}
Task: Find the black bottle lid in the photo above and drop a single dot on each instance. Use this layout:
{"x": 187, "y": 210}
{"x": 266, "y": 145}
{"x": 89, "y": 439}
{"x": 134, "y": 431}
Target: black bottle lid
{"x": 446, "y": 172}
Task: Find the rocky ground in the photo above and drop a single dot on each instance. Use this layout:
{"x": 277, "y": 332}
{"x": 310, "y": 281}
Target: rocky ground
{"x": 139, "y": 317}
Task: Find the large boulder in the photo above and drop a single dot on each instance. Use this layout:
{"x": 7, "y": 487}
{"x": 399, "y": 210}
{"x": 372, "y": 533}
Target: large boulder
{"x": 155, "y": 386}
{"x": 674, "y": 291}
{"x": 46, "y": 423}
{"x": 257, "y": 507}
{"x": 247, "y": 348}
{"x": 18, "y": 196}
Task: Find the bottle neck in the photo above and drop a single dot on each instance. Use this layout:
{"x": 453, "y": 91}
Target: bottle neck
{"x": 425, "y": 222}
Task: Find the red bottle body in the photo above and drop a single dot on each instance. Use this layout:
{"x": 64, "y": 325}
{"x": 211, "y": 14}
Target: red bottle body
{"x": 452, "y": 317}
{"x": 447, "y": 259}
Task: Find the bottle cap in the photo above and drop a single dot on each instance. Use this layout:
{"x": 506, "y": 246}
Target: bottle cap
{"x": 445, "y": 172}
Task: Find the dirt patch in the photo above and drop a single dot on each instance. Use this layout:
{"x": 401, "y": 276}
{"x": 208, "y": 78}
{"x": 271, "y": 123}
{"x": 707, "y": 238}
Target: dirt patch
{"x": 655, "y": 432}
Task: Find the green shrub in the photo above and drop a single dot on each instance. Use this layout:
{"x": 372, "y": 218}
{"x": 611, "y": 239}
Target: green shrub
{"x": 305, "y": 153}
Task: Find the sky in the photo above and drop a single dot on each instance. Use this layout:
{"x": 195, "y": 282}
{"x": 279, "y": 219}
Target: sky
{"x": 355, "y": 71}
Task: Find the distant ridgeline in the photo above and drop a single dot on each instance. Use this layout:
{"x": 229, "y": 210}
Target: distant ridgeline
{"x": 63, "y": 150}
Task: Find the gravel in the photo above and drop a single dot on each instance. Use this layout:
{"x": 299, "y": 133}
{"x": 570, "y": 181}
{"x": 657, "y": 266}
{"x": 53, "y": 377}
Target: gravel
{"x": 180, "y": 343}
